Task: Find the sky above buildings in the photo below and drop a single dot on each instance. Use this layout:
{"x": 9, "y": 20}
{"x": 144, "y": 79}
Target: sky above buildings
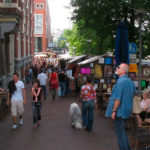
{"x": 59, "y": 14}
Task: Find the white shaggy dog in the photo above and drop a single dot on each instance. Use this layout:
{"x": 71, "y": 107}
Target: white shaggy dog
{"x": 75, "y": 115}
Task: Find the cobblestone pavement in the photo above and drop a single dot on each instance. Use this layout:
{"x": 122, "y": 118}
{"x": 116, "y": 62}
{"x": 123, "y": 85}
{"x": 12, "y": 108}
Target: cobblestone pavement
{"x": 55, "y": 132}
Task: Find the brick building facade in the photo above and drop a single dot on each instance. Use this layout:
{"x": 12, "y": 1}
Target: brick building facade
{"x": 16, "y": 37}
{"x": 42, "y": 25}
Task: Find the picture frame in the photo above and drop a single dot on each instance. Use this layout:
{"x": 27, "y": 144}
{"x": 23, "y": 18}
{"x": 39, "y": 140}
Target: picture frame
{"x": 101, "y": 61}
{"x": 146, "y": 71}
{"x": 98, "y": 72}
{"x": 132, "y": 75}
{"x": 104, "y": 86}
{"x": 92, "y": 71}
{"x": 91, "y": 65}
{"x": 108, "y": 60}
{"x": 108, "y": 71}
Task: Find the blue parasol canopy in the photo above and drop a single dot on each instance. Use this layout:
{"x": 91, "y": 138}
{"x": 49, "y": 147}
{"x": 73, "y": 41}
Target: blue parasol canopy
{"x": 121, "y": 48}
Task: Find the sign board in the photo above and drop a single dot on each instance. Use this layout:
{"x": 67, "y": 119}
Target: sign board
{"x": 132, "y": 56}
{"x": 50, "y": 44}
{"x": 133, "y": 68}
{"x": 132, "y": 48}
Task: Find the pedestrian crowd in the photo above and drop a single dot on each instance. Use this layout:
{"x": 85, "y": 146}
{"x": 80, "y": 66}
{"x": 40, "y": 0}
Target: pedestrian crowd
{"x": 119, "y": 107}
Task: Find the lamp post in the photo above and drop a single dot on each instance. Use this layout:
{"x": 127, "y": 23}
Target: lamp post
{"x": 140, "y": 11}
{"x": 89, "y": 41}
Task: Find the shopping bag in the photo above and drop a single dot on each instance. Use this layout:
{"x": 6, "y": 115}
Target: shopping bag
{"x": 136, "y": 105}
{"x": 59, "y": 91}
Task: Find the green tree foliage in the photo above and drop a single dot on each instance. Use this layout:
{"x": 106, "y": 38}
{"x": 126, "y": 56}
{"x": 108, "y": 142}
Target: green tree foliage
{"x": 98, "y": 19}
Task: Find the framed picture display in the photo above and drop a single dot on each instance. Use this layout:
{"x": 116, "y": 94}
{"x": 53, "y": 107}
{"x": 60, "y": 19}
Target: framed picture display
{"x": 102, "y": 80}
{"x": 92, "y": 71}
{"x": 96, "y": 86}
{"x": 91, "y": 65}
{"x": 113, "y": 81}
{"x": 108, "y": 71}
{"x": 132, "y": 75}
{"x": 146, "y": 72}
{"x": 108, "y": 60}
{"x": 98, "y": 71}
{"x": 101, "y": 61}
{"x": 136, "y": 83}
{"x": 84, "y": 78}
{"x": 104, "y": 86}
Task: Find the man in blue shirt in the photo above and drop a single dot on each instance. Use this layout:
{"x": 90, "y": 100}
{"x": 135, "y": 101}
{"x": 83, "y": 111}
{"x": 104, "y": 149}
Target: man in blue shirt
{"x": 120, "y": 104}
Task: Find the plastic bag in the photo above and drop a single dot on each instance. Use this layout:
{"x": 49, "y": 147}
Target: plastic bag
{"x": 59, "y": 91}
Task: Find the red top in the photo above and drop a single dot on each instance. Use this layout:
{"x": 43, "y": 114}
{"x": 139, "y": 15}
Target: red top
{"x": 53, "y": 80}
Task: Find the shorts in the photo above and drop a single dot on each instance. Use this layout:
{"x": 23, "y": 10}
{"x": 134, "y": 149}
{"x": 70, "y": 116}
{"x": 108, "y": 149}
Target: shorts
{"x": 17, "y": 108}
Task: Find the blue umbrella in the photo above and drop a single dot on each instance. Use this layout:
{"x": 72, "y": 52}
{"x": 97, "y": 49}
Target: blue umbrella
{"x": 121, "y": 48}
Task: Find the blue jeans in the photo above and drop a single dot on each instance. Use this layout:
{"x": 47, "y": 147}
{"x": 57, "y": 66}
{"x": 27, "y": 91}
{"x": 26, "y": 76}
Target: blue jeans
{"x": 121, "y": 134}
{"x": 44, "y": 91}
{"x": 63, "y": 88}
{"x": 88, "y": 114}
{"x": 36, "y": 113}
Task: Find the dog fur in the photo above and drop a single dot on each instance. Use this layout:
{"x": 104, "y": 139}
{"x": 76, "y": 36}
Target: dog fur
{"x": 75, "y": 116}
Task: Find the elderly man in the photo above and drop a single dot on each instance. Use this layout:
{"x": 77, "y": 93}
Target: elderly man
{"x": 120, "y": 104}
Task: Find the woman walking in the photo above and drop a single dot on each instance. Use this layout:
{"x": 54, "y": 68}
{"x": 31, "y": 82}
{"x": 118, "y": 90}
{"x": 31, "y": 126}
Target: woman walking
{"x": 36, "y": 103}
{"x": 53, "y": 80}
{"x": 88, "y": 95}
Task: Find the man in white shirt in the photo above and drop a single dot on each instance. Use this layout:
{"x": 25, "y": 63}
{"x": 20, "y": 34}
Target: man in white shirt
{"x": 42, "y": 77}
{"x": 17, "y": 98}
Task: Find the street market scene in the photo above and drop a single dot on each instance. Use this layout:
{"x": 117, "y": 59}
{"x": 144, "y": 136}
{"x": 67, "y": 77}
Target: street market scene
{"x": 74, "y": 75}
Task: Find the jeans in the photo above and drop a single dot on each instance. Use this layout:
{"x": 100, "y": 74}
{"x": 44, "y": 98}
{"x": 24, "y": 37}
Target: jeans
{"x": 53, "y": 93}
{"x": 63, "y": 88}
{"x": 36, "y": 113}
{"x": 121, "y": 134}
{"x": 88, "y": 114}
{"x": 44, "y": 91}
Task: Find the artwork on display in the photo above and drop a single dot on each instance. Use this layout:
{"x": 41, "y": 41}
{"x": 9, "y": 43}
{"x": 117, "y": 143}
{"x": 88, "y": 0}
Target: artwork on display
{"x": 91, "y": 65}
{"x": 133, "y": 68}
{"x": 109, "y": 88}
{"x": 98, "y": 71}
{"x": 96, "y": 80}
{"x": 86, "y": 71}
{"x": 102, "y": 80}
{"x": 108, "y": 80}
{"x": 143, "y": 83}
{"x": 114, "y": 61}
{"x": 96, "y": 86}
{"x": 92, "y": 71}
{"x": 136, "y": 83}
{"x": 146, "y": 72}
{"x": 100, "y": 85}
{"x": 101, "y": 61}
{"x": 113, "y": 80}
{"x": 108, "y": 71}
{"x": 108, "y": 60}
{"x": 132, "y": 75}
{"x": 104, "y": 86}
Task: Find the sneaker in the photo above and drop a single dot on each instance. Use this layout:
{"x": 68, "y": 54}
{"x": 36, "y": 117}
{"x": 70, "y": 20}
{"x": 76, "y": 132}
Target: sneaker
{"x": 14, "y": 127}
{"x": 21, "y": 121}
{"x": 35, "y": 126}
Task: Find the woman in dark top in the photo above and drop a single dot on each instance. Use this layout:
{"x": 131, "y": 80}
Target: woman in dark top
{"x": 36, "y": 103}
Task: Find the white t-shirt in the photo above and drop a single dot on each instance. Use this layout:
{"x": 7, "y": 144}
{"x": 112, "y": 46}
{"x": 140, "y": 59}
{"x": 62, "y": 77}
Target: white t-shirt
{"x": 42, "y": 77}
{"x": 18, "y": 95}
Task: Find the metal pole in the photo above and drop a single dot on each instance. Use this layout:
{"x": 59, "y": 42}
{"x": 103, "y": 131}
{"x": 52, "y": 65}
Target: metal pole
{"x": 140, "y": 55}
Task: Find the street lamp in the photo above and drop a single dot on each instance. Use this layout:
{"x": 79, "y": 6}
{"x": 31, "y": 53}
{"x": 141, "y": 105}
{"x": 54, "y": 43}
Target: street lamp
{"x": 89, "y": 41}
{"x": 140, "y": 11}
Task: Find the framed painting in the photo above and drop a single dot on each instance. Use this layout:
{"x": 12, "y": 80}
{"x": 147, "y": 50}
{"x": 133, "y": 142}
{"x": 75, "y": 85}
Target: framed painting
{"x": 146, "y": 72}
{"x": 108, "y": 71}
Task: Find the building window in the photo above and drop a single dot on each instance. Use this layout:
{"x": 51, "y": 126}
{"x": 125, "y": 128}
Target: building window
{"x": 42, "y": 6}
{"x": 7, "y": 1}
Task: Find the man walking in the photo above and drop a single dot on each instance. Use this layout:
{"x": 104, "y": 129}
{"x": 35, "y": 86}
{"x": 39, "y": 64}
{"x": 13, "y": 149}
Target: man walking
{"x": 120, "y": 104}
{"x": 17, "y": 97}
{"x": 42, "y": 77}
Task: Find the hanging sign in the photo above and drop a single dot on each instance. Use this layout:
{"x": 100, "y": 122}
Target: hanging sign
{"x": 132, "y": 48}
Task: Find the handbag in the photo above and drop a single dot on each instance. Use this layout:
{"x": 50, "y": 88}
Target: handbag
{"x": 136, "y": 105}
{"x": 59, "y": 91}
